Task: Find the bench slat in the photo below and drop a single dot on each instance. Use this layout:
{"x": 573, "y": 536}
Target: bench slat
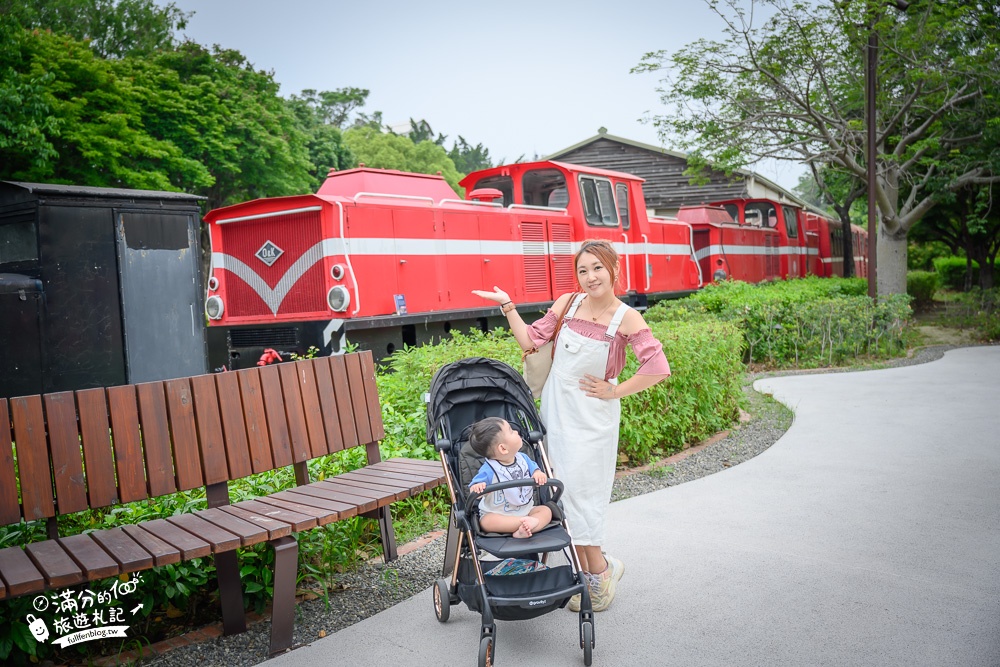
{"x": 328, "y": 405}
{"x": 64, "y": 443}
{"x": 32, "y": 457}
{"x": 19, "y": 573}
{"x": 98, "y": 455}
{"x": 434, "y": 473}
{"x": 381, "y": 496}
{"x": 277, "y": 423}
{"x": 414, "y": 481}
{"x": 322, "y": 516}
{"x": 399, "y": 489}
{"x": 180, "y": 410}
{"x": 371, "y": 395}
{"x": 189, "y": 545}
{"x": 219, "y": 538}
{"x": 311, "y": 407}
{"x": 342, "y": 387}
{"x": 156, "y": 439}
{"x": 364, "y": 504}
{"x": 10, "y": 508}
{"x": 213, "y": 447}
{"x": 162, "y": 553}
{"x": 255, "y": 420}
{"x": 432, "y": 467}
{"x": 297, "y": 430}
{"x": 248, "y": 533}
{"x": 359, "y": 403}
{"x": 234, "y": 425}
{"x": 345, "y": 510}
{"x": 89, "y": 555}
{"x": 127, "y": 443}
{"x": 274, "y": 528}
{"x": 55, "y": 564}
{"x": 298, "y": 522}
{"x": 123, "y": 549}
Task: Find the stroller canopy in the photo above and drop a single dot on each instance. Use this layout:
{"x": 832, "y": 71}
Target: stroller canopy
{"x": 476, "y": 379}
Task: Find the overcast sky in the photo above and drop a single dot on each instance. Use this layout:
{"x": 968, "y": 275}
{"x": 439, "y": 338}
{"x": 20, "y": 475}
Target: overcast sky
{"x": 522, "y": 78}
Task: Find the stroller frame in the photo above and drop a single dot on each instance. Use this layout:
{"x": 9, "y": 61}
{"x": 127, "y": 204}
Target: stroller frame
{"x": 486, "y": 387}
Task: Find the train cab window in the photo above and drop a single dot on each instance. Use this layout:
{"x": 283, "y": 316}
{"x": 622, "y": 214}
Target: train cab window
{"x": 544, "y": 187}
{"x": 791, "y": 221}
{"x": 734, "y": 212}
{"x": 504, "y": 184}
{"x": 621, "y": 190}
{"x": 598, "y": 201}
{"x": 761, "y": 214}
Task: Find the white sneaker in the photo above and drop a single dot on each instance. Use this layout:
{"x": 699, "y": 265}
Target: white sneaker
{"x": 607, "y": 583}
{"x": 575, "y": 601}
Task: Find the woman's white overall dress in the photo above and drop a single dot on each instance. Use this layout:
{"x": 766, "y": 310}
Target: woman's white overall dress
{"x": 582, "y": 432}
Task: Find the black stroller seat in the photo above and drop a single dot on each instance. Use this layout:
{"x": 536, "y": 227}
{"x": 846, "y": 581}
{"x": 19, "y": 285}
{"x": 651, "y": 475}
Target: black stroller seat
{"x": 461, "y": 394}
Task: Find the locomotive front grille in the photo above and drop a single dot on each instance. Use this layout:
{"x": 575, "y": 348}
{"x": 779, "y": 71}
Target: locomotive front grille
{"x": 267, "y": 291}
{"x": 535, "y": 260}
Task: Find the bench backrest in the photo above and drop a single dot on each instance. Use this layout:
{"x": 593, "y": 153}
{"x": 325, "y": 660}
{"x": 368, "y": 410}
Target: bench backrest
{"x": 68, "y": 451}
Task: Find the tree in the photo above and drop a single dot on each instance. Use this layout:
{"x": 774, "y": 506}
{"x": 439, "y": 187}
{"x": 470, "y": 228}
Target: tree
{"x": 468, "y": 158}
{"x": 320, "y": 117}
{"x": 113, "y": 28}
{"x": 792, "y": 89}
{"x": 384, "y": 150}
{"x": 970, "y": 222}
{"x": 331, "y": 107}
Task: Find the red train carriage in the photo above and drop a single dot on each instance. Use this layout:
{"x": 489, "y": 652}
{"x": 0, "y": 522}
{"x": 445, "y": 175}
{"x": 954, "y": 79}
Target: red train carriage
{"x": 760, "y": 239}
{"x": 390, "y": 258}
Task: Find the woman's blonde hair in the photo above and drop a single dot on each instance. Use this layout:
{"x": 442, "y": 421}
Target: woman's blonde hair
{"x": 604, "y": 252}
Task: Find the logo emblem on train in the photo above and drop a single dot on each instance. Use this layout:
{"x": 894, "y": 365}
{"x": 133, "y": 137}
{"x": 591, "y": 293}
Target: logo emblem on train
{"x": 269, "y": 253}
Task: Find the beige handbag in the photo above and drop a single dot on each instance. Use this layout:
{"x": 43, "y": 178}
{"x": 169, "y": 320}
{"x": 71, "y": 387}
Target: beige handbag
{"x": 538, "y": 360}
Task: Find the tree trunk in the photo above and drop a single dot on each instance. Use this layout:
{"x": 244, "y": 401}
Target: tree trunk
{"x": 890, "y": 273}
{"x": 845, "y": 222}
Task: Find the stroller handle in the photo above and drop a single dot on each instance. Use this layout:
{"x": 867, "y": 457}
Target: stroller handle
{"x": 557, "y": 490}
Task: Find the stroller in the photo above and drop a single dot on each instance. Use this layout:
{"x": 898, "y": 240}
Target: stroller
{"x": 461, "y": 394}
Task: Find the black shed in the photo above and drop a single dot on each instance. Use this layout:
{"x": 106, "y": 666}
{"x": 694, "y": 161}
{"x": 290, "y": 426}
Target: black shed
{"x": 98, "y": 287}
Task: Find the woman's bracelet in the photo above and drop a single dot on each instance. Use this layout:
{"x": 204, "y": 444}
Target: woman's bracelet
{"x": 507, "y": 307}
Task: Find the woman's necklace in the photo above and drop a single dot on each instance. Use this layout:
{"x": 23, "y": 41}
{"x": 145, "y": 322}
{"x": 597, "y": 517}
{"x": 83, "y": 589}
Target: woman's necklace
{"x": 590, "y": 306}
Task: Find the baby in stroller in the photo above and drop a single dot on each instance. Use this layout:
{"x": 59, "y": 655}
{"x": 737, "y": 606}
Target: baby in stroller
{"x": 511, "y": 510}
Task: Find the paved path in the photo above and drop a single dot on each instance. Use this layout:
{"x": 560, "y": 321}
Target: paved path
{"x": 868, "y": 535}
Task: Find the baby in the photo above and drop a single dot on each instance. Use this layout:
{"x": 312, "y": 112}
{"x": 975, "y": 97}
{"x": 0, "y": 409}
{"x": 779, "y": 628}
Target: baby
{"x": 510, "y": 510}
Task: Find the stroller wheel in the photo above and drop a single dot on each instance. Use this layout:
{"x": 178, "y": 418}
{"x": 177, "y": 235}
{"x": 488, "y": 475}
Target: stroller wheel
{"x": 486, "y": 652}
{"x": 442, "y": 600}
{"x": 587, "y": 636}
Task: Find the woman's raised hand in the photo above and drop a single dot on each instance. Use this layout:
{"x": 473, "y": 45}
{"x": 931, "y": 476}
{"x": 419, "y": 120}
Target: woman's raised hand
{"x": 497, "y": 295}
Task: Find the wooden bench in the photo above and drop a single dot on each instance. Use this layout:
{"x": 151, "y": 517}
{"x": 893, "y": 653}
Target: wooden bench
{"x": 95, "y": 448}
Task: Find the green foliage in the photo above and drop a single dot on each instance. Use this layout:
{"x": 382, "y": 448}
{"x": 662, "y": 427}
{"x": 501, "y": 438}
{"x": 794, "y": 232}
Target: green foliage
{"x": 921, "y": 256}
{"x": 921, "y": 285}
{"x": 951, "y": 272}
{"x": 384, "y": 150}
{"x": 978, "y": 309}
{"x": 805, "y": 322}
{"x": 701, "y": 397}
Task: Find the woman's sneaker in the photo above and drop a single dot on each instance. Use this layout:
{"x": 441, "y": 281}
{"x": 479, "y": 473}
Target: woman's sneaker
{"x": 607, "y": 583}
{"x": 574, "y": 602}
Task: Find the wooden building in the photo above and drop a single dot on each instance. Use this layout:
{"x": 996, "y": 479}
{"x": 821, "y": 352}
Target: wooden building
{"x": 667, "y": 188}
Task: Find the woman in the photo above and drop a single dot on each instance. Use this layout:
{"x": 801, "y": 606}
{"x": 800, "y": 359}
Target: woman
{"x": 581, "y": 399}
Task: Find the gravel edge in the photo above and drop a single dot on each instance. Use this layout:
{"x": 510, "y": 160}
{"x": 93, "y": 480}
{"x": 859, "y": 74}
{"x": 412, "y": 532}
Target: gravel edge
{"x": 375, "y": 586}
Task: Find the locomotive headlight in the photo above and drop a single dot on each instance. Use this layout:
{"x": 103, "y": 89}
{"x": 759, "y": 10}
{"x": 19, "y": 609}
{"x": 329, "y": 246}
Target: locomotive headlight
{"x": 337, "y": 271}
{"x": 338, "y": 298}
{"x": 719, "y": 275}
{"x": 214, "y": 307}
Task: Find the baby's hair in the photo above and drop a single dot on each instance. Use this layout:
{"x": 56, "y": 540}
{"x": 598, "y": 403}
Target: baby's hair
{"x": 484, "y": 435}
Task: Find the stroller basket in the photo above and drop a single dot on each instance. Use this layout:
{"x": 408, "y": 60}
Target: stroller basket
{"x": 521, "y": 596}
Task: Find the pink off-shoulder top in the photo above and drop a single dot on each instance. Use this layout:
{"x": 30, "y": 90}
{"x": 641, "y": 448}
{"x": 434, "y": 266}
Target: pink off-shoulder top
{"x": 646, "y": 348}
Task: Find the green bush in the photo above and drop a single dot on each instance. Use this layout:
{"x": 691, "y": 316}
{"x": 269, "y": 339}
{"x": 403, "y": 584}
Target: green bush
{"x": 921, "y": 256}
{"x": 951, "y": 272}
{"x": 921, "y": 285}
{"x": 978, "y": 309}
{"x": 701, "y": 397}
{"x": 805, "y": 322}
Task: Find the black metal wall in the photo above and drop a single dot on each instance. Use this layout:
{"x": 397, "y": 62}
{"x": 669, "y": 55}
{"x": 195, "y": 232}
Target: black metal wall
{"x": 117, "y": 287}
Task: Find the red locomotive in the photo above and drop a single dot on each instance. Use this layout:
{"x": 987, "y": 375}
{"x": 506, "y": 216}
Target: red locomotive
{"x": 390, "y": 258}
